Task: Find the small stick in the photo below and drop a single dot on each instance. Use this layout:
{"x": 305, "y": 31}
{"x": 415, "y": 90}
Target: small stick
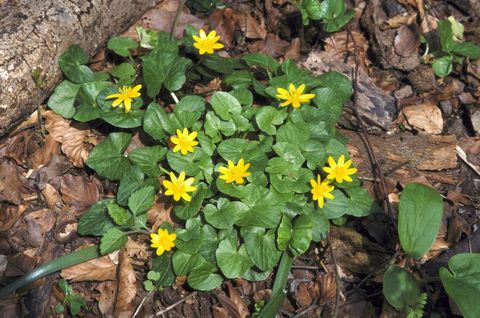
{"x": 337, "y": 279}
{"x": 142, "y": 303}
{"x": 177, "y": 16}
{"x": 176, "y": 304}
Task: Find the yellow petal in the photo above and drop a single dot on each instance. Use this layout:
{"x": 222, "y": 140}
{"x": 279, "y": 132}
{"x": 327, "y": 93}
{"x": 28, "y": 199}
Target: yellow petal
{"x": 328, "y": 196}
{"x": 167, "y": 184}
{"x": 202, "y": 34}
{"x": 186, "y": 197}
{"x": 218, "y": 46}
{"x": 117, "y": 102}
{"x": 212, "y": 35}
{"x": 288, "y": 102}
{"x": 292, "y": 89}
{"x": 327, "y": 169}
{"x": 341, "y": 160}
{"x": 181, "y": 177}
{"x": 348, "y": 179}
{"x": 351, "y": 171}
{"x": 128, "y": 105}
{"x": 282, "y": 91}
{"x": 196, "y": 39}
{"x": 332, "y": 162}
{"x": 137, "y": 88}
{"x": 160, "y": 251}
{"x": 300, "y": 89}
{"x": 313, "y": 183}
{"x": 321, "y": 201}
{"x": 112, "y": 96}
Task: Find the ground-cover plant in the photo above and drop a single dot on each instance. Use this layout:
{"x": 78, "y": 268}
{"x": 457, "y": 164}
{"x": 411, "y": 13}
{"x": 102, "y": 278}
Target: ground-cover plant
{"x": 254, "y": 171}
{"x": 447, "y": 46}
{"x": 332, "y": 13}
{"x": 73, "y": 301}
{"x": 420, "y": 214}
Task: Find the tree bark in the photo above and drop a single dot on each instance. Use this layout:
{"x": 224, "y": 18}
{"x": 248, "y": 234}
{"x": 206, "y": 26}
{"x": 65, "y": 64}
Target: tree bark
{"x": 33, "y": 34}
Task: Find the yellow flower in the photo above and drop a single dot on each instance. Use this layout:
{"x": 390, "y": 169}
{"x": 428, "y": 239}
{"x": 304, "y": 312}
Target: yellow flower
{"x": 234, "y": 172}
{"x": 207, "y": 43}
{"x": 125, "y": 95}
{"x": 184, "y": 141}
{"x": 179, "y": 187}
{"x": 294, "y": 96}
{"x": 321, "y": 190}
{"x": 339, "y": 170}
{"x": 163, "y": 241}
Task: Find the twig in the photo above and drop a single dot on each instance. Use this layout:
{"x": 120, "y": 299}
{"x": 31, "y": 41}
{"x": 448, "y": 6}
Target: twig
{"x": 176, "y": 304}
{"x": 142, "y": 303}
{"x": 315, "y": 268}
{"x": 377, "y": 168}
{"x": 337, "y": 279}
{"x": 177, "y": 16}
{"x": 461, "y": 153}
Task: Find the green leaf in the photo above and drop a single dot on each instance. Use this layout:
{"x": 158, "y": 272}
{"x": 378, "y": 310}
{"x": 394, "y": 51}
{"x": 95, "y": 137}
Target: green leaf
{"x": 72, "y": 64}
{"x": 162, "y": 265}
{"x": 467, "y": 49}
{"x": 156, "y": 122}
{"x": 261, "y": 247}
{"x": 330, "y": 100}
{"x": 119, "y": 118}
{"x": 289, "y": 152}
{"x": 233, "y": 261}
{"x": 204, "y": 278}
{"x": 89, "y": 91}
{"x": 187, "y": 163}
{"x": 184, "y": 263}
{"x": 118, "y": 214}
{"x": 419, "y": 217}
{"x": 59, "y": 308}
{"x": 112, "y": 240}
{"x": 131, "y": 182}
{"x": 96, "y": 220}
{"x": 263, "y": 208}
{"x": 337, "y": 207}
{"x": 400, "y": 287}
{"x": 86, "y": 113}
{"x": 340, "y": 21}
{"x": 123, "y": 71}
{"x": 239, "y": 79}
{"x": 321, "y": 226}
{"x": 446, "y": 35}
{"x": 186, "y": 210}
{"x": 360, "y": 202}
{"x": 63, "y": 98}
{"x": 262, "y": 60}
{"x": 223, "y": 216}
{"x": 225, "y": 105}
{"x": 122, "y": 45}
{"x": 142, "y": 200}
{"x": 301, "y": 235}
{"x": 191, "y": 103}
{"x": 284, "y": 233}
{"x": 148, "y": 285}
{"x": 214, "y": 126}
{"x": 462, "y": 282}
{"x": 315, "y": 153}
{"x": 164, "y": 69}
{"x": 295, "y": 134}
{"x": 443, "y": 66}
{"x": 313, "y": 9}
{"x": 293, "y": 180}
{"x": 147, "y": 159}
{"x": 148, "y": 38}
{"x": 267, "y": 117}
{"x": 235, "y": 149}
{"x": 107, "y": 157}
{"x": 244, "y": 96}
{"x": 75, "y": 302}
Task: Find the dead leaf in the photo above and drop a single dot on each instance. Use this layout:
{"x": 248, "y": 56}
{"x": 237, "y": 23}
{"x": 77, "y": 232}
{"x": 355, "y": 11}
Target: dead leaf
{"x": 137, "y": 249}
{"x": 10, "y": 184}
{"x": 72, "y": 137}
{"x": 293, "y": 50}
{"x": 126, "y": 288}
{"x": 223, "y": 21}
{"x": 302, "y": 295}
{"x": 429, "y": 23}
{"x": 406, "y": 42}
{"x": 426, "y": 117}
{"x": 242, "y": 308}
{"x": 213, "y": 85}
{"x": 328, "y": 287}
{"x": 250, "y": 26}
{"x": 99, "y": 269}
{"x": 106, "y": 300}
{"x": 399, "y": 20}
{"x": 80, "y": 193}
{"x": 43, "y": 154}
{"x": 10, "y": 216}
{"x": 471, "y": 147}
{"x": 220, "y": 312}
{"x": 159, "y": 213}
{"x": 39, "y": 223}
{"x": 272, "y": 46}
{"x": 339, "y": 43}
{"x": 52, "y": 196}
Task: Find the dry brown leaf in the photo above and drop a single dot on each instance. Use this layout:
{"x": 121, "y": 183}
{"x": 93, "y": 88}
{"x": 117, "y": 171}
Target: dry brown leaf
{"x": 223, "y": 21}
{"x": 159, "y": 213}
{"x": 80, "y": 193}
{"x": 471, "y": 147}
{"x": 302, "y": 295}
{"x": 272, "y": 46}
{"x": 126, "y": 289}
{"x": 336, "y": 46}
{"x": 43, "y": 154}
{"x": 293, "y": 50}
{"x": 99, "y": 269}
{"x": 406, "y": 42}
{"x": 39, "y": 223}
{"x": 250, "y": 26}
{"x": 106, "y": 300}
{"x": 399, "y": 20}
{"x": 52, "y": 196}
{"x": 429, "y": 23}
{"x": 213, "y": 85}
{"x": 426, "y": 117}
{"x": 72, "y": 137}
{"x": 220, "y": 312}
{"x": 137, "y": 249}
{"x": 10, "y": 184}
{"x": 242, "y": 308}
{"x": 328, "y": 287}
{"x": 10, "y": 216}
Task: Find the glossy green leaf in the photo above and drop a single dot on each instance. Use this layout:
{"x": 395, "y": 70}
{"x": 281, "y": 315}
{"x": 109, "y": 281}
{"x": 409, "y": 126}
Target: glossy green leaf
{"x": 63, "y": 99}
{"x": 419, "y": 217}
{"x": 162, "y": 265}
{"x": 268, "y": 117}
{"x": 232, "y": 260}
{"x": 204, "y": 278}
{"x": 72, "y": 64}
{"x": 122, "y": 45}
{"x": 112, "y": 240}
{"x": 321, "y": 226}
{"x": 119, "y": 118}
{"x": 107, "y": 157}
{"x": 118, "y": 214}
{"x": 223, "y": 216}
{"x": 142, "y": 200}
{"x": 156, "y": 122}
{"x": 186, "y": 210}
{"x": 462, "y": 282}
{"x": 337, "y": 207}
{"x": 301, "y": 235}
{"x": 147, "y": 159}
{"x": 262, "y": 60}
{"x": 443, "y": 66}
{"x": 225, "y": 105}
{"x": 284, "y": 233}
{"x": 96, "y": 220}
{"x": 289, "y": 152}
{"x": 184, "y": 263}
{"x": 261, "y": 247}
{"x": 360, "y": 202}
{"x": 400, "y": 287}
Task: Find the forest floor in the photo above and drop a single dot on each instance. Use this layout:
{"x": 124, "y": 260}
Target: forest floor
{"x": 421, "y": 128}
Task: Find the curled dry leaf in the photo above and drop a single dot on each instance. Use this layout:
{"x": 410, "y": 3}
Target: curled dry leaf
{"x": 293, "y": 50}
{"x": 99, "y": 269}
{"x": 72, "y": 136}
{"x": 406, "y": 41}
{"x": 43, "y": 154}
{"x": 250, "y": 26}
{"x": 303, "y": 296}
{"x": 338, "y": 44}
{"x": 106, "y": 300}
{"x": 220, "y": 312}
{"x": 39, "y": 223}
{"x": 426, "y": 117}
{"x": 272, "y": 46}
{"x": 327, "y": 286}
{"x": 240, "y": 305}
{"x": 10, "y": 184}
{"x": 159, "y": 213}
{"x": 399, "y": 20}
{"x": 51, "y": 196}
{"x": 223, "y": 21}
{"x": 126, "y": 287}
{"x": 79, "y": 192}
{"x": 137, "y": 249}
{"x": 9, "y": 216}
{"x": 429, "y": 23}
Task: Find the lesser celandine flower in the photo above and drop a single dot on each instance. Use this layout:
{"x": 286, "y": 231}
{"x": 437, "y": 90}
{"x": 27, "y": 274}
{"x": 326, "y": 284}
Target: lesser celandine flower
{"x": 340, "y": 171}
{"x": 184, "y": 141}
{"x": 294, "y": 96}
{"x": 163, "y": 241}
{"x": 234, "y": 172}
{"x": 207, "y": 43}
{"x": 125, "y": 96}
{"x": 321, "y": 190}
{"x": 179, "y": 187}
